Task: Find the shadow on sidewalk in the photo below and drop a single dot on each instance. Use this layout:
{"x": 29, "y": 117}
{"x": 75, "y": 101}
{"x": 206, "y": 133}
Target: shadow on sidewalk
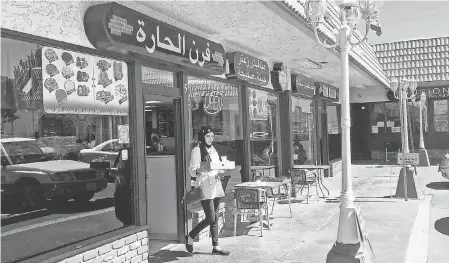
{"x": 442, "y": 225}
{"x": 168, "y": 256}
{"x": 438, "y": 185}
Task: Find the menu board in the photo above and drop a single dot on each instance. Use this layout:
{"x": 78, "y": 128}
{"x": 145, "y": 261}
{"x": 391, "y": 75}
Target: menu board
{"x": 76, "y": 83}
{"x": 258, "y": 105}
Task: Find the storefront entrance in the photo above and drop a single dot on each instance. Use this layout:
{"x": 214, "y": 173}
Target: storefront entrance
{"x": 163, "y": 144}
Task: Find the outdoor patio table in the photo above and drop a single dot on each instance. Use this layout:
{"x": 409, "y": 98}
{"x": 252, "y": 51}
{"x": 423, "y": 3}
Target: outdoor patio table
{"x": 260, "y": 185}
{"x": 319, "y": 176}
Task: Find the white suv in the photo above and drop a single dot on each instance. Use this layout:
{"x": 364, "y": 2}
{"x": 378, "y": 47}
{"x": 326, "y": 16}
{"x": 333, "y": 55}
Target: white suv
{"x": 32, "y": 173}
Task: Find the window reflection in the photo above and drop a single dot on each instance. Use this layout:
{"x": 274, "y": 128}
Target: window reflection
{"x": 63, "y": 113}
{"x": 441, "y": 115}
{"x": 263, "y": 114}
{"x": 217, "y": 105}
{"x": 160, "y": 126}
{"x": 303, "y": 131}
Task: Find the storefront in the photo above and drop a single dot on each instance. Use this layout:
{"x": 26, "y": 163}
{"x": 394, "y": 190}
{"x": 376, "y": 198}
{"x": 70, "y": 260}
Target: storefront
{"x": 310, "y": 132}
{"x": 146, "y": 96}
{"x": 122, "y": 88}
{"x": 384, "y": 125}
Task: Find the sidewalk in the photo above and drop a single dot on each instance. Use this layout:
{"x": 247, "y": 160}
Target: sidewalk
{"x": 310, "y": 234}
{"x": 438, "y": 187}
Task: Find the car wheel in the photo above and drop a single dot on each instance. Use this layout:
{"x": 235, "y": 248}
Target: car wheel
{"x": 84, "y": 198}
{"x": 31, "y": 197}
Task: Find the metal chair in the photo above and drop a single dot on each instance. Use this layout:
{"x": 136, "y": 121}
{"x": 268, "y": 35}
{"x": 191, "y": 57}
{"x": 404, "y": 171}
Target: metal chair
{"x": 278, "y": 194}
{"x": 304, "y": 178}
{"x": 250, "y": 201}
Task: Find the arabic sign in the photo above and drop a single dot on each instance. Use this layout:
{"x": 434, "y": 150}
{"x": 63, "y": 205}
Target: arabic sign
{"x": 258, "y": 105}
{"x": 303, "y": 85}
{"x": 434, "y": 93}
{"x": 126, "y": 30}
{"x": 410, "y": 158}
{"x": 327, "y": 91}
{"x": 76, "y": 83}
{"x": 248, "y": 68}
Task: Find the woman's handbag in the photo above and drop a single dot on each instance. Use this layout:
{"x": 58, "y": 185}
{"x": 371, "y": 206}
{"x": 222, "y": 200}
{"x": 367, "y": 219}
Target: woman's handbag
{"x": 193, "y": 196}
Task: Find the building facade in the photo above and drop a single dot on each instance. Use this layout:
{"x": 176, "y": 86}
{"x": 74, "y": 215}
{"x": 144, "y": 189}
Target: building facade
{"x": 90, "y": 85}
{"x": 427, "y": 61}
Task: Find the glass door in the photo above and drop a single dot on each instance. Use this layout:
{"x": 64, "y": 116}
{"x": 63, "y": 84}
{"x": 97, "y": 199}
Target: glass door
{"x": 163, "y": 155}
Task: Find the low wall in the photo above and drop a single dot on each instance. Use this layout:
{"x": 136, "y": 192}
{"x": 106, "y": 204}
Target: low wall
{"x": 335, "y": 168}
{"x": 133, "y": 248}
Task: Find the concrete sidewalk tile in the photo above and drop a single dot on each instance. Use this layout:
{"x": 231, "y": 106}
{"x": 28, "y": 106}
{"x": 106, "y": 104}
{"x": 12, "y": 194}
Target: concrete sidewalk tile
{"x": 310, "y": 234}
{"x": 417, "y": 250}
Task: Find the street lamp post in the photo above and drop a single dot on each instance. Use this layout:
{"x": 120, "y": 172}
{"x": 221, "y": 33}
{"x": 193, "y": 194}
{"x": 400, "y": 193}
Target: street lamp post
{"x": 348, "y": 238}
{"x": 422, "y": 103}
{"x": 423, "y": 156}
{"x": 404, "y": 90}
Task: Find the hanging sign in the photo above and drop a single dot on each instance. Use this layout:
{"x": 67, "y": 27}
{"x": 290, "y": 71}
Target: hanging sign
{"x": 248, "y": 68}
{"x": 327, "y": 91}
{"x": 434, "y": 93}
{"x": 111, "y": 26}
{"x": 303, "y": 86}
{"x": 279, "y": 77}
{"x": 76, "y": 83}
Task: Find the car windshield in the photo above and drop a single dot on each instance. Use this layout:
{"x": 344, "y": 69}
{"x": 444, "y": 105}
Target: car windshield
{"x": 21, "y": 152}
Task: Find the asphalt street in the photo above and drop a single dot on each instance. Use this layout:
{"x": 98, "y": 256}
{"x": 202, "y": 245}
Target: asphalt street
{"x": 61, "y": 225}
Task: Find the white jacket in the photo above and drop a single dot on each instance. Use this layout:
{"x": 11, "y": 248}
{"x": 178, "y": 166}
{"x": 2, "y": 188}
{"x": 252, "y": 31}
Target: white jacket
{"x": 209, "y": 181}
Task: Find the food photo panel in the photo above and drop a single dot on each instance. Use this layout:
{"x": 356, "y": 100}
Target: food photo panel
{"x": 76, "y": 83}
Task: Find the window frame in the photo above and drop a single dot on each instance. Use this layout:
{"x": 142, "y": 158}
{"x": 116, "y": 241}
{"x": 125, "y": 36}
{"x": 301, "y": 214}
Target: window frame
{"x": 433, "y": 115}
{"x": 138, "y": 179}
{"x": 313, "y": 102}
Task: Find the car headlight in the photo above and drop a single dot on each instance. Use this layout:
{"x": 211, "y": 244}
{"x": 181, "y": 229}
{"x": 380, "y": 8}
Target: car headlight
{"x": 65, "y": 176}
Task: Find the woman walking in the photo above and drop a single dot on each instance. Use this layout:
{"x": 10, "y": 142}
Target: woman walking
{"x": 210, "y": 183}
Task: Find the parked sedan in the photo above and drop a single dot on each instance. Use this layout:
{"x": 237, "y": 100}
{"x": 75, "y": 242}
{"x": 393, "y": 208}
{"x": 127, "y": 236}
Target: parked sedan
{"x": 100, "y": 152}
{"x": 103, "y": 153}
{"x": 31, "y": 175}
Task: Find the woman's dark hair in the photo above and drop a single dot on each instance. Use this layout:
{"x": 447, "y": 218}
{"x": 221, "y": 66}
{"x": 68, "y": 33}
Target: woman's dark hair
{"x": 202, "y": 143}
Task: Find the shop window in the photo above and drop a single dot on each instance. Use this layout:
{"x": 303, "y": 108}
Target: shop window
{"x": 303, "y": 131}
{"x": 441, "y": 115}
{"x": 263, "y": 138}
{"x": 334, "y": 131}
{"x": 65, "y": 122}
{"x": 217, "y": 105}
{"x": 385, "y": 118}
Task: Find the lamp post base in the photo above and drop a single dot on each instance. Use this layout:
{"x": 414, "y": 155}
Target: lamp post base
{"x": 413, "y": 190}
{"x": 423, "y": 158}
{"x": 351, "y": 253}
{"x": 343, "y": 253}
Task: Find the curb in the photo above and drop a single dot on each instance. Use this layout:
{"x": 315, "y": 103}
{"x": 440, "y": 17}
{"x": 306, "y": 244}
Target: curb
{"x": 15, "y": 218}
{"x": 417, "y": 249}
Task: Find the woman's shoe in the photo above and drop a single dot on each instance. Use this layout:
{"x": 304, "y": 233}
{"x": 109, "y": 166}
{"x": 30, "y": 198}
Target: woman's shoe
{"x": 189, "y": 247}
{"x": 220, "y": 252}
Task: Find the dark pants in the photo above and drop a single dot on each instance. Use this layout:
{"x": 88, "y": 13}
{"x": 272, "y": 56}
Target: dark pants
{"x": 210, "y": 207}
